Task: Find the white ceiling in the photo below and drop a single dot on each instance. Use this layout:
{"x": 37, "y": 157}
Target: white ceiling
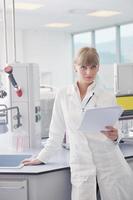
{"x": 59, "y": 11}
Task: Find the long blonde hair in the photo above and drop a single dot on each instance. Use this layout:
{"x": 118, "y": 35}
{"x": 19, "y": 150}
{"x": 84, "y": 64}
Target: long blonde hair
{"x": 87, "y": 56}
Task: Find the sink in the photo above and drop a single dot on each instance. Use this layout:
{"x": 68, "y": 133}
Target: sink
{"x": 12, "y": 160}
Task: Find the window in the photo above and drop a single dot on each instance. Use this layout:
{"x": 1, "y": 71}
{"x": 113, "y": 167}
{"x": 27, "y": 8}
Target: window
{"x": 126, "y": 32}
{"x": 81, "y": 40}
{"x": 105, "y": 40}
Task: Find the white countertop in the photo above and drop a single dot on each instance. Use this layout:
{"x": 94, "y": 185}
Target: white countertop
{"x": 59, "y": 162}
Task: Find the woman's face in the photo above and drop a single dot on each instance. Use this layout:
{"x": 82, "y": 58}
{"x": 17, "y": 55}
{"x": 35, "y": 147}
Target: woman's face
{"x": 87, "y": 74}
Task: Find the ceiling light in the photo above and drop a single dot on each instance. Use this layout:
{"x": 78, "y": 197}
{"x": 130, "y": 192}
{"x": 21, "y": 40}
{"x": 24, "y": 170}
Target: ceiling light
{"x": 58, "y": 25}
{"x": 27, "y": 6}
{"x": 104, "y": 13}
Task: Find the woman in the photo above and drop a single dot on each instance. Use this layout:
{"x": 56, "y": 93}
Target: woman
{"x": 91, "y": 155}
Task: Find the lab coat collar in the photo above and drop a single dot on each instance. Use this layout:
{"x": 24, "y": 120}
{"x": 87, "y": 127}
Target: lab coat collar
{"x": 97, "y": 87}
{"x": 74, "y": 88}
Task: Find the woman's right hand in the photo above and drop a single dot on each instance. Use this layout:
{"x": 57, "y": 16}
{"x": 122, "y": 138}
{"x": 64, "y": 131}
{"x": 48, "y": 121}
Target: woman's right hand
{"x": 32, "y": 162}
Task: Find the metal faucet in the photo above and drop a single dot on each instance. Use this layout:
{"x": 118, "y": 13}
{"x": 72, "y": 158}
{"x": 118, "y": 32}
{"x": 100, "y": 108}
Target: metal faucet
{"x": 4, "y": 113}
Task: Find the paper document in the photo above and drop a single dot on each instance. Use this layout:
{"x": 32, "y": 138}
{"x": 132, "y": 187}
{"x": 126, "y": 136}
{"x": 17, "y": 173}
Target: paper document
{"x": 95, "y": 119}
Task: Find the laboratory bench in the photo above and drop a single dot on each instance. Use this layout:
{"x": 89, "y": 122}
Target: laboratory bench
{"x": 40, "y": 182}
{"x": 45, "y": 182}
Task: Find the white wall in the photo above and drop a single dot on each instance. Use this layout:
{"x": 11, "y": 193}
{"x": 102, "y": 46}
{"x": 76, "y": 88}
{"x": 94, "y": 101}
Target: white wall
{"x": 51, "y": 50}
{"x": 2, "y": 49}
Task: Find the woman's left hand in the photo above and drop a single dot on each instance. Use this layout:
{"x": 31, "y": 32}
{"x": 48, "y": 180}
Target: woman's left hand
{"x": 111, "y": 133}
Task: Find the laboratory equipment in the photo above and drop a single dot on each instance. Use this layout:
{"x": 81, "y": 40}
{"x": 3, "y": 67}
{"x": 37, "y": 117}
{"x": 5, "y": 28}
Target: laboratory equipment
{"x": 3, "y": 93}
{"x": 4, "y": 117}
{"x": 47, "y": 96}
{"x": 126, "y": 119}
{"x": 126, "y": 126}
{"x": 3, "y": 127}
{"x": 126, "y": 102}
{"x": 123, "y": 88}
{"x": 123, "y": 79}
{"x": 9, "y": 71}
{"x": 28, "y": 103}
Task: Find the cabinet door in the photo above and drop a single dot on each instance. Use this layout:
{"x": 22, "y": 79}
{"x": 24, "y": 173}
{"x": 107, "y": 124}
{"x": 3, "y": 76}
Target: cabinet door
{"x": 12, "y": 189}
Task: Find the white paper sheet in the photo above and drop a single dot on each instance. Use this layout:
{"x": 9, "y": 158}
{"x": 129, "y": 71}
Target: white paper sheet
{"x": 95, "y": 119}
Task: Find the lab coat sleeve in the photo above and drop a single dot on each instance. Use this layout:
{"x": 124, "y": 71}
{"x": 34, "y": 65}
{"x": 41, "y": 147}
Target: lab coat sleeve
{"x": 57, "y": 131}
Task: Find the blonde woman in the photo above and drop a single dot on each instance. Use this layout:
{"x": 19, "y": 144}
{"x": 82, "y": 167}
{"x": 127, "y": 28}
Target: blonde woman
{"x": 91, "y": 155}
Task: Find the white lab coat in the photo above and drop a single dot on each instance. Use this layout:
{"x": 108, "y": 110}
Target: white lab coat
{"x": 91, "y": 155}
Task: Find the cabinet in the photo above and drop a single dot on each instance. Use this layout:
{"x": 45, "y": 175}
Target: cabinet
{"x": 13, "y": 189}
{"x": 52, "y": 185}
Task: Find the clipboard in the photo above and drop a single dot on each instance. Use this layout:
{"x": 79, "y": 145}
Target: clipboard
{"x": 95, "y": 119}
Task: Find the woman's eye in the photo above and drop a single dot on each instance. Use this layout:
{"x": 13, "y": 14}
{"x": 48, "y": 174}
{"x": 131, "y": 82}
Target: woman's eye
{"x": 83, "y": 67}
{"x": 88, "y": 67}
{"x": 93, "y": 66}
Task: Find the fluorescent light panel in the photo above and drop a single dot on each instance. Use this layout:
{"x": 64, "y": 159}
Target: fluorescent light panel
{"x": 58, "y": 25}
{"x": 104, "y": 13}
{"x": 27, "y": 6}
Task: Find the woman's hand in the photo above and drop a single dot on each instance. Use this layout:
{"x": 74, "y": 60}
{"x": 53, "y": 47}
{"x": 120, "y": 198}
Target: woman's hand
{"x": 111, "y": 133}
{"x": 32, "y": 162}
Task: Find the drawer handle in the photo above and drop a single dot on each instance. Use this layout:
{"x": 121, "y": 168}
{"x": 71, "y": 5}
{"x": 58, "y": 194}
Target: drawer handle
{"x": 11, "y": 188}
